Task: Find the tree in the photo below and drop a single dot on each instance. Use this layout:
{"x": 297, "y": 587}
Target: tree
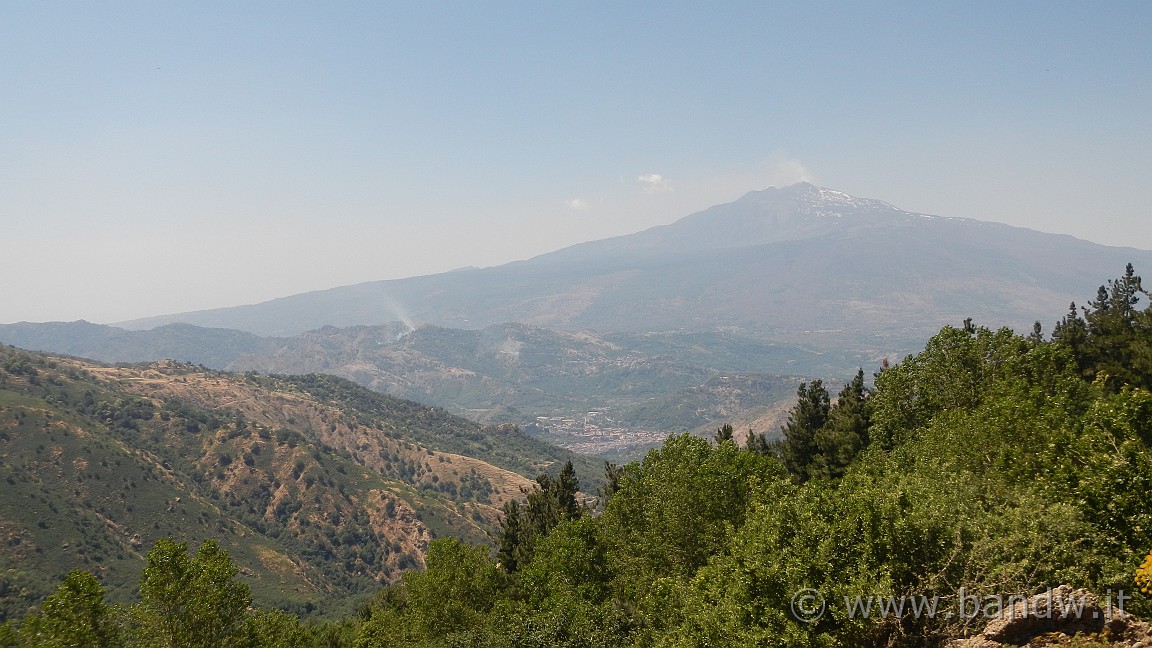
{"x": 675, "y": 509}
{"x": 612, "y": 475}
{"x": 810, "y": 413}
{"x": 821, "y": 439}
{"x": 511, "y": 540}
{"x": 566, "y": 488}
{"x": 757, "y": 443}
{"x": 451, "y": 595}
{"x": 565, "y": 593}
{"x": 570, "y": 561}
{"x": 1072, "y": 332}
{"x": 1037, "y": 335}
{"x": 75, "y": 616}
{"x": 724, "y": 433}
{"x": 193, "y": 602}
{"x": 444, "y": 605}
{"x": 1119, "y": 337}
{"x": 1114, "y": 338}
{"x": 845, "y": 433}
{"x": 278, "y": 628}
{"x": 550, "y": 503}
{"x": 953, "y": 372}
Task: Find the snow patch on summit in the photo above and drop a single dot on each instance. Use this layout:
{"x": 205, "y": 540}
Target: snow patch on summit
{"x": 833, "y": 197}
{"x": 823, "y": 203}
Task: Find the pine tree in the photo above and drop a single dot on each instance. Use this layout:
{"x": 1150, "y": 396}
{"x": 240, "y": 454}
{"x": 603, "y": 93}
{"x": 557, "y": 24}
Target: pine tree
{"x": 612, "y": 476}
{"x": 511, "y": 537}
{"x": 810, "y": 413}
{"x": 566, "y": 488}
{"x": 1037, "y": 335}
{"x": 757, "y": 443}
{"x": 545, "y": 507}
{"x": 724, "y": 433}
{"x": 1118, "y": 335}
{"x": 1113, "y": 338}
{"x": 845, "y": 433}
{"x": 1072, "y": 332}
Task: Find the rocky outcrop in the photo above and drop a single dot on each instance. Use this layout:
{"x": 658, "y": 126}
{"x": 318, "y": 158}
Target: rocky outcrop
{"x": 1054, "y": 617}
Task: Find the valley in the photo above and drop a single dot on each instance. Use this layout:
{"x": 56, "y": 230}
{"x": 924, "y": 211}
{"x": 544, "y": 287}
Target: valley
{"x": 351, "y": 468}
{"x": 639, "y": 387}
{"x": 681, "y": 327}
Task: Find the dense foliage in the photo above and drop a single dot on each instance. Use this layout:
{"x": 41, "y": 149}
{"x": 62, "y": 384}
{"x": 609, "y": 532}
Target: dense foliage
{"x": 988, "y": 465}
{"x": 186, "y": 601}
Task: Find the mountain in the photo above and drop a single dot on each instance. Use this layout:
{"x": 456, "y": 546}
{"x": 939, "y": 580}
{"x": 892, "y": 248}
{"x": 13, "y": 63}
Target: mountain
{"x": 215, "y": 348}
{"x": 321, "y": 490}
{"x": 635, "y": 387}
{"x": 798, "y": 263}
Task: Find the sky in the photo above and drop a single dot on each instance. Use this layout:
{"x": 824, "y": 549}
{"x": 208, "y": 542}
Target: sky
{"x": 160, "y": 157}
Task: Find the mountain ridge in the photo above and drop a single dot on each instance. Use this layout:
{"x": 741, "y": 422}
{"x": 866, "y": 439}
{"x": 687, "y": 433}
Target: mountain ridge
{"x": 506, "y": 373}
{"x": 778, "y": 262}
{"x": 320, "y": 489}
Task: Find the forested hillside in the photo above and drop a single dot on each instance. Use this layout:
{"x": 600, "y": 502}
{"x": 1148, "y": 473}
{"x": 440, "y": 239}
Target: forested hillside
{"x": 320, "y": 489}
{"x": 543, "y": 380}
{"x": 989, "y": 465}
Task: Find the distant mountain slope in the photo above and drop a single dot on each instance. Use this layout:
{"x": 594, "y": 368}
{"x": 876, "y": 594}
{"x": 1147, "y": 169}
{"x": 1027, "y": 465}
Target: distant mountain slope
{"x": 795, "y": 263}
{"x": 507, "y": 373}
{"x": 320, "y": 489}
{"x": 526, "y": 368}
{"x": 214, "y": 348}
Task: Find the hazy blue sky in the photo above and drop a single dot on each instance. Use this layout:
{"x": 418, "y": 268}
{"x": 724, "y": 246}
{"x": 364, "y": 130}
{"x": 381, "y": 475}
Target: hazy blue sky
{"x": 167, "y": 156}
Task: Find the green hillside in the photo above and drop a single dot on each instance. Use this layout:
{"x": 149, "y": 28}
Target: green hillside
{"x": 991, "y": 467}
{"x": 321, "y": 490}
{"x": 656, "y": 383}
{"x": 988, "y": 472}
